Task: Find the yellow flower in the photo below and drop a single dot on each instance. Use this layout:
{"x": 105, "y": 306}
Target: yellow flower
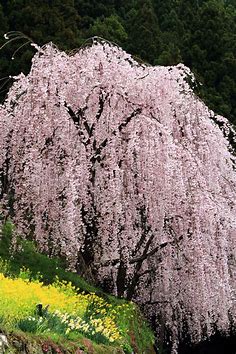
{"x": 19, "y": 297}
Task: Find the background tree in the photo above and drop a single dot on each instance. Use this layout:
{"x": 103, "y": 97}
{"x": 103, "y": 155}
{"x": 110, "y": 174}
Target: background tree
{"x": 143, "y": 31}
{"x": 110, "y": 28}
{"x": 208, "y": 52}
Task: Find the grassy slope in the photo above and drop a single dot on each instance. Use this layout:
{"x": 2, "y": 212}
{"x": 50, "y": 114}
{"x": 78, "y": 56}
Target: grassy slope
{"x": 140, "y": 336}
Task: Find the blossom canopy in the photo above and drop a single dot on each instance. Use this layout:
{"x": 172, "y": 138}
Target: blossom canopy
{"x": 119, "y": 166}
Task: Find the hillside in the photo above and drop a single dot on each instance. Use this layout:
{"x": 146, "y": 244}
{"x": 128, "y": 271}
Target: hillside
{"x": 45, "y": 309}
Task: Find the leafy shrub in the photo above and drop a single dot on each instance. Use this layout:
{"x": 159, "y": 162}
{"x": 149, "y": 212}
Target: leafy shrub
{"x": 4, "y": 266}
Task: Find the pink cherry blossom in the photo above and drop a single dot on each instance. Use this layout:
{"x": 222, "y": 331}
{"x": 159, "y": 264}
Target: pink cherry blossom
{"x": 121, "y": 165}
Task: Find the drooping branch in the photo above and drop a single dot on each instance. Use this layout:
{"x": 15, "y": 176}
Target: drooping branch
{"x": 130, "y": 177}
{"x": 128, "y": 119}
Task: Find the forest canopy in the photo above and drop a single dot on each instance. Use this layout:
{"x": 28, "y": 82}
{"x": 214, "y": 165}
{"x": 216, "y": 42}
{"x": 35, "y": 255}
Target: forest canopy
{"x": 199, "y": 33}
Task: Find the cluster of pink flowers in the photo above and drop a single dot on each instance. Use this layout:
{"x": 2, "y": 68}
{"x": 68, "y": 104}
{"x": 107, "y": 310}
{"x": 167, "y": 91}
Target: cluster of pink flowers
{"x": 122, "y": 165}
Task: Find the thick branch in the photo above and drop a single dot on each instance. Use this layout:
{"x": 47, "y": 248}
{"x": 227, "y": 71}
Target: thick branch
{"x": 128, "y": 119}
{"x": 145, "y": 255}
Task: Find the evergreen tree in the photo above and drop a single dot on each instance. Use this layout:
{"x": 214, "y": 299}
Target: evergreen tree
{"x": 110, "y": 28}
{"x": 210, "y": 53}
{"x": 144, "y": 37}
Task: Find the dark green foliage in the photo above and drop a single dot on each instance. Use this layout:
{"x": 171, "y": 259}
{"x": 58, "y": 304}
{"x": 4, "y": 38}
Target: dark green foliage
{"x": 199, "y": 33}
{"x": 210, "y": 52}
{"x": 5, "y": 239}
{"x": 143, "y": 31}
{"x": 42, "y": 21}
{"x": 110, "y": 28}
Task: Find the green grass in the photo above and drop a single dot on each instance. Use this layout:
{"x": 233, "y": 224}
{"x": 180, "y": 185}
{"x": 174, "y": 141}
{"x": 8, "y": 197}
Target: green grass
{"x": 37, "y": 262}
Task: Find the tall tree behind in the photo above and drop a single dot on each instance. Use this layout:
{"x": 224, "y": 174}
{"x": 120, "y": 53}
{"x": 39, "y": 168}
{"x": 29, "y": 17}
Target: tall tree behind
{"x": 43, "y": 21}
{"x": 4, "y": 62}
{"x": 144, "y": 37}
{"x": 210, "y": 51}
{"x": 110, "y": 28}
